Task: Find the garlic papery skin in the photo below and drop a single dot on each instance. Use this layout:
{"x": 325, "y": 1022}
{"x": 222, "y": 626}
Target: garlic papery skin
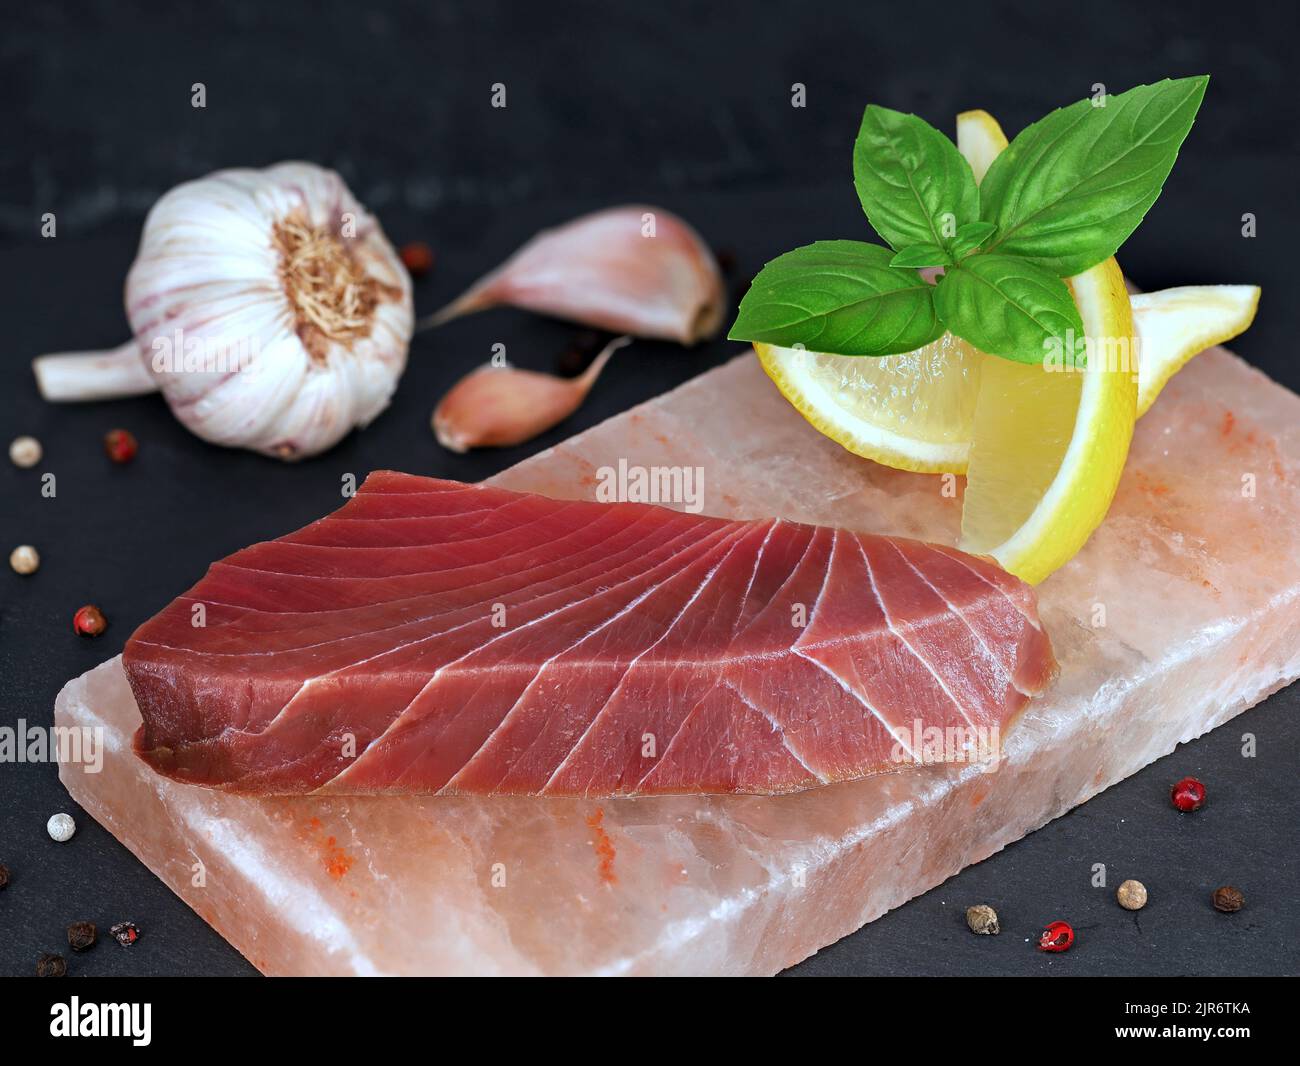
{"x": 266, "y": 305}
{"x": 497, "y": 406}
{"x": 632, "y": 269}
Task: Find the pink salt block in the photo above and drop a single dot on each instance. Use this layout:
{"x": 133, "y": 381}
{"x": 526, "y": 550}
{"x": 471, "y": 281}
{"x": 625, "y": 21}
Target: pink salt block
{"x": 1182, "y": 611}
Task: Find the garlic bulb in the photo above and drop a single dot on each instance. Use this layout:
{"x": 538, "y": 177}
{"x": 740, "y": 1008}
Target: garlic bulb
{"x": 634, "y": 269}
{"x": 267, "y": 306}
{"x": 496, "y": 406}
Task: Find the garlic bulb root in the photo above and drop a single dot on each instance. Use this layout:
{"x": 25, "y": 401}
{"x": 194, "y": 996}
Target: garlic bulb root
{"x": 497, "y": 406}
{"x": 634, "y": 269}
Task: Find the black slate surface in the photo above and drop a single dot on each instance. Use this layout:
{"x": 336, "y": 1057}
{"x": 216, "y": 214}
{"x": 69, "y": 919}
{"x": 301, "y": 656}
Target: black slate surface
{"x": 686, "y": 105}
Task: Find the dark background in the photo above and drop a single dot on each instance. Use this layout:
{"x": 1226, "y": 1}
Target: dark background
{"x": 684, "y": 105}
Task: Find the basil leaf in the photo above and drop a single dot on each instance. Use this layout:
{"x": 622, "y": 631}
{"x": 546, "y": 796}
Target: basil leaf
{"x": 921, "y": 255}
{"x": 978, "y": 232}
{"x": 970, "y": 237}
{"x": 1069, "y": 190}
{"x": 839, "y": 297}
{"x": 913, "y": 183}
{"x": 1012, "y": 308}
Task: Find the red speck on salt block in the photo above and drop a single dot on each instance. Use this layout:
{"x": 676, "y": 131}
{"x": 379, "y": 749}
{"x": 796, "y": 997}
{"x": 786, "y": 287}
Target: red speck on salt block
{"x": 337, "y": 862}
{"x": 1151, "y": 487}
{"x": 604, "y": 847}
{"x": 1229, "y": 421}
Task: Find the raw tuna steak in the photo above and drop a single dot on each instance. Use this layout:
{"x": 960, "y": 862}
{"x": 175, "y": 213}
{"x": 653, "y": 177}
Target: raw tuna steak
{"x": 431, "y": 636}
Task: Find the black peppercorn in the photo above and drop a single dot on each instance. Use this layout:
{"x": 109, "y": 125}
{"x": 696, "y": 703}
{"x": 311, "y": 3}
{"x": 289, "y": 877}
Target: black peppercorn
{"x": 584, "y": 347}
{"x": 81, "y": 936}
{"x": 51, "y": 966}
{"x": 1228, "y": 899}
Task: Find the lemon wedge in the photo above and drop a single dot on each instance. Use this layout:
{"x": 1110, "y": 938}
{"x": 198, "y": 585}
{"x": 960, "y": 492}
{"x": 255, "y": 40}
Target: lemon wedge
{"x": 1049, "y": 447}
{"x": 1175, "y": 324}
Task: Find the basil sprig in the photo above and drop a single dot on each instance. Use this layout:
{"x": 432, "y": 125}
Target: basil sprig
{"x": 1063, "y": 196}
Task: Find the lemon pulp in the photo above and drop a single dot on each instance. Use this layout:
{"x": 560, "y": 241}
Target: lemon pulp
{"x": 914, "y": 411}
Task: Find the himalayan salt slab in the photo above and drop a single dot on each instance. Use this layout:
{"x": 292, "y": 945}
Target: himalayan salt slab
{"x": 1182, "y": 611}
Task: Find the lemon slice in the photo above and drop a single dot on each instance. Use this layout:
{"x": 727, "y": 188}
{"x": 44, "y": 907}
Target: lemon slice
{"x": 914, "y": 411}
{"x": 1175, "y": 324}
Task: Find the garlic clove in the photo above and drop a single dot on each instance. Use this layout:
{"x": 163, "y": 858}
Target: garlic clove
{"x": 633, "y": 269}
{"x": 494, "y": 407}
